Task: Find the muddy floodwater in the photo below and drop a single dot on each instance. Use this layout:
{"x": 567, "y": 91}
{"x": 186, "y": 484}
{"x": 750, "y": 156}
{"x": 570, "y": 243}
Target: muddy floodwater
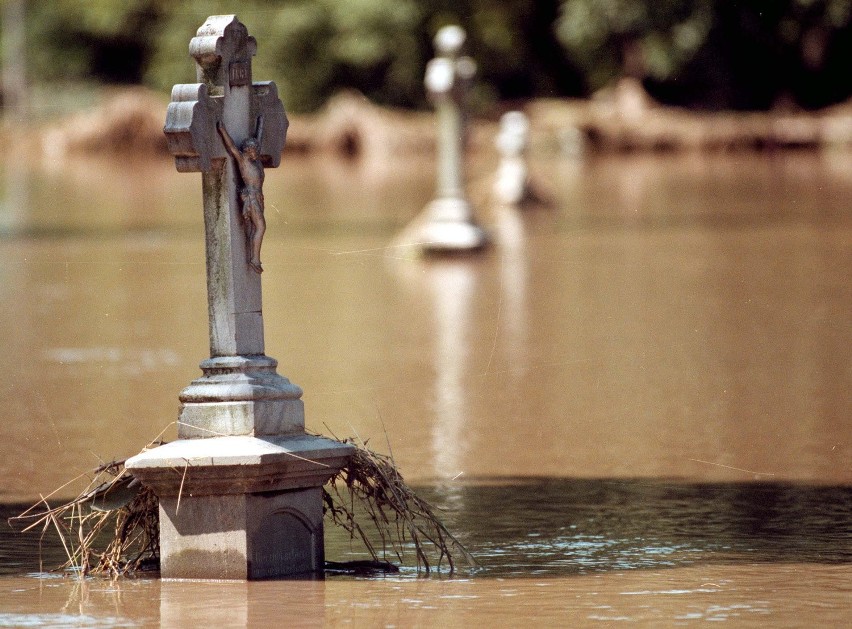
{"x": 634, "y": 408}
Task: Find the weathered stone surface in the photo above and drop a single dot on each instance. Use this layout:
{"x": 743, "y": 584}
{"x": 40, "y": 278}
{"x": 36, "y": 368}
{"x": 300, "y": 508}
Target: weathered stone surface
{"x": 252, "y": 418}
{"x": 189, "y": 117}
{"x": 224, "y": 92}
{"x": 240, "y": 395}
{"x": 237, "y": 464}
{"x": 230, "y": 378}
{"x": 242, "y": 536}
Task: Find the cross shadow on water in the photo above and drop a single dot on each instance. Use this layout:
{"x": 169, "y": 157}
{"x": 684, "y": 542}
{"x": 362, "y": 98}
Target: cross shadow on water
{"x": 550, "y": 527}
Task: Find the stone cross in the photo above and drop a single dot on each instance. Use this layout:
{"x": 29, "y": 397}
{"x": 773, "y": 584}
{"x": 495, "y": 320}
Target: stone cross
{"x": 225, "y": 93}
{"x": 449, "y": 77}
{"x": 240, "y": 491}
{"x": 450, "y": 224}
{"x": 213, "y": 126}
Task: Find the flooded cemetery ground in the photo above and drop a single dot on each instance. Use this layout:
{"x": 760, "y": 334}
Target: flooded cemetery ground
{"x": 634, "y": 407}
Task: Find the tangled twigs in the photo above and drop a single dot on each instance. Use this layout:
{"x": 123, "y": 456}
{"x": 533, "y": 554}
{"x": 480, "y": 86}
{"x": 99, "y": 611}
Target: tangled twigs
{"x": 112, "y": 527}
{"x": 113, "y": 507}
{"x": 398, "y": 514}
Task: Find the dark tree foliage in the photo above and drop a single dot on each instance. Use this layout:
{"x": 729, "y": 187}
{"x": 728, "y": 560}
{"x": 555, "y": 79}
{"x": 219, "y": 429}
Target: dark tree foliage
{"x": 513, "y": 43}
{"x": 741, "y": 54}
{"x": 745, "y": 54}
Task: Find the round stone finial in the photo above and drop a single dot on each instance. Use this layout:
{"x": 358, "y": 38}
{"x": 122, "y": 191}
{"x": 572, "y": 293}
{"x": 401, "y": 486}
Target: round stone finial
{"x": 450, "y": 39}
{"x": 439, "y": 75}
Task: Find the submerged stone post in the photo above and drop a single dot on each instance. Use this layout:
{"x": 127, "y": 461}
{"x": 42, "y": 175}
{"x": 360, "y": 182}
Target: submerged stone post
{"x": 449, "y": 219}
{"x": 511, "y": 181}
{"x": 240, "y": 491}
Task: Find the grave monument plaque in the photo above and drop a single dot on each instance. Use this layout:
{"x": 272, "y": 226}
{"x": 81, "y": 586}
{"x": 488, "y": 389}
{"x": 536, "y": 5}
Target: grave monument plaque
{"x": 240, "y": 491}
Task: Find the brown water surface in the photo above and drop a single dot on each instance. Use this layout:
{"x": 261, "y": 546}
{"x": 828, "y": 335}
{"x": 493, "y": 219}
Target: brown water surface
{"x": 635, "y": 407}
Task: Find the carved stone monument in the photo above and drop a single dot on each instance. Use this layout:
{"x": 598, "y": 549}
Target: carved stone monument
{"x": 511, "y": 181}
{"x": 449, "y": 223}
{"x": 240, "y": 491}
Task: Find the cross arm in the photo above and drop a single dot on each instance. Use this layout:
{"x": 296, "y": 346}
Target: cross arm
{"x": 274, "y": 122}
{"x": 190, "y": 127}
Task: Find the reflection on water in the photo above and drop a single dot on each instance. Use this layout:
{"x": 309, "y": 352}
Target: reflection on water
{"x": 513, "y": 311}
{"x": 531, "y": 528}
{"x": 699, "y": 542}
{"x": 558, "y": 527}
{"x": 449, "y": 285}
{"x": 683, "y": 318}
{"x": 727, "y": 593}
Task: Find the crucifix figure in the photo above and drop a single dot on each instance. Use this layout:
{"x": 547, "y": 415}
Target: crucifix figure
{"x": 251, "y": 195}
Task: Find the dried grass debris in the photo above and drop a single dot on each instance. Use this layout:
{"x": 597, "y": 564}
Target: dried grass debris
{"x": 112, "y": 527}
{"x": 400, "y": 517}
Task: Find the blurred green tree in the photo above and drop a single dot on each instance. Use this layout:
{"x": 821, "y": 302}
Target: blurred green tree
{"x": 613, "y": 38}
{"x": 751, "y": 54}
{"x": 91, "y": 40}
{"x": 310, "y": 47}
{"x": 707, "y": 53}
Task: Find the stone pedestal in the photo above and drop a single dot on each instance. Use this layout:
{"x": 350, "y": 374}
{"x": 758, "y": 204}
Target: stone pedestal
{"x": 242, "y": 536}
{"x": 450, "y": 226}
{"x": 240, "y": 507}
{"x": 240, "y": 395}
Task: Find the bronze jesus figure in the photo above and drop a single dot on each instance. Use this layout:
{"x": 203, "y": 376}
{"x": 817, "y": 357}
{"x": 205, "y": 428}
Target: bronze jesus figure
{"x": 251, "y": 195}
